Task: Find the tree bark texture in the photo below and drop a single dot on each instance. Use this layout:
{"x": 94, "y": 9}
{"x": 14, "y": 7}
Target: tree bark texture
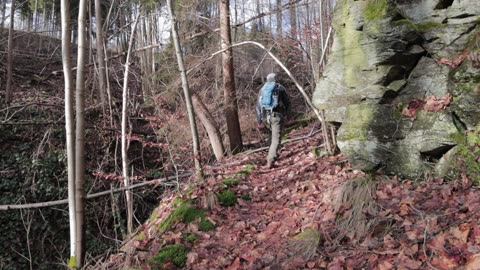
{"x": 126, "y": 178}
{"x": 100, "y": 55}
{"x": 8, "y": 91}
{"x": 80, "y": 136}
{"x": 69, "y": 126}
{"x": 210, "y": 126}
{"x": 231, "y": 110}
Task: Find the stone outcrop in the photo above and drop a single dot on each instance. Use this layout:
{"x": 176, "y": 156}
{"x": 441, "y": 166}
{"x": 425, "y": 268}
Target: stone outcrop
{"x": 388, "y": 53}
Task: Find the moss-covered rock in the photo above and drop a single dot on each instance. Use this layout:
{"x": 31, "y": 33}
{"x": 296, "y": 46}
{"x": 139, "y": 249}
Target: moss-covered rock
{"x": 385, "y": 55}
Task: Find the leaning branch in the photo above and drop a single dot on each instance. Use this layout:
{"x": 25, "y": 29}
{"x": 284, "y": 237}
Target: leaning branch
{"x": 162, "y": 181}
{"x": 318, "y": 113}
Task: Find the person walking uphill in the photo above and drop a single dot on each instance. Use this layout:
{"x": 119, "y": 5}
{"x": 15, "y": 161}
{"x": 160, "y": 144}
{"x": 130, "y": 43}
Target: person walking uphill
{"x": 272, "y": 106}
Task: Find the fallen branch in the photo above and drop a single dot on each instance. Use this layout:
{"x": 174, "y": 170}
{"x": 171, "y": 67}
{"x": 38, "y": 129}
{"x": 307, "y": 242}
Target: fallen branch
{"x": 162, "y": 181}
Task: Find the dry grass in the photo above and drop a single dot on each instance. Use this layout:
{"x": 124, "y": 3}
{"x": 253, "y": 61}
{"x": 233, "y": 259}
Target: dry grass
{"x": 357, "y": 202}
{"x": 209, "y": 200}
{"x": 305, "y": 244}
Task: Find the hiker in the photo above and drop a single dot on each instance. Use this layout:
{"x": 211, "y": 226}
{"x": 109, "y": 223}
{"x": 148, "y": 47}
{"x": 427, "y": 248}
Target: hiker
{"x": 272, "y": 107}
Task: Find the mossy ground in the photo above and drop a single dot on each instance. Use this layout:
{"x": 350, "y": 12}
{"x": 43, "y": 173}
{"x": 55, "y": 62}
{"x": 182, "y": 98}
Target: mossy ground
{"x": 227, "y": 197}
{"x": 177, "y": 254}
{"x": 230, "y": 181}
{"x": 184, "y": 212}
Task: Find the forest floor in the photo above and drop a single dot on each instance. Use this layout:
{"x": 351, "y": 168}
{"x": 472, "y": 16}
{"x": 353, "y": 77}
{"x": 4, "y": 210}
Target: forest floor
{"x": 298, "y": 215}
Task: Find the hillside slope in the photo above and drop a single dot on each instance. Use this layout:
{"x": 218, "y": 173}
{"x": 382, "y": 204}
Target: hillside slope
{"x": 299, "y": 216}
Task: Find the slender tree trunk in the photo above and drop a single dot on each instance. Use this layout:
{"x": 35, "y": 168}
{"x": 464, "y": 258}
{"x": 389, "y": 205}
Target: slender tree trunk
{"x": 126, "y": 178}
{"x": 279, "y": 19}
{"x": 260, "y": 20}
{"x": 321, "y": 32}
{"x": 186, "y": 92}
{"x": 80, "y": 136}
{"x": 231, "y": 110}
{"x": 293, "y": 20}
{"x": 8, "y": 91}
{"x": 69, "y": 126}
{"x": 100, "y": 55}
{"x": 4, "y": 10}
{"x": 35, "y": 14}
{"x": 210, "y": 126}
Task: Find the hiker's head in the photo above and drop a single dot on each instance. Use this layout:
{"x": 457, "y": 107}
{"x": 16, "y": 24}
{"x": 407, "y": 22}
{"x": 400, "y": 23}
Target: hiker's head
{"x": 271, "y": 77}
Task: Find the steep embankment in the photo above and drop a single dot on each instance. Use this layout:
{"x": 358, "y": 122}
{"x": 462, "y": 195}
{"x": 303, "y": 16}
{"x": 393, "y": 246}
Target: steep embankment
{"x": 301, "y": 215}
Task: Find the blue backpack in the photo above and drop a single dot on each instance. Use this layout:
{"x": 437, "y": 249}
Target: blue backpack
{"x": 269, "y": 96}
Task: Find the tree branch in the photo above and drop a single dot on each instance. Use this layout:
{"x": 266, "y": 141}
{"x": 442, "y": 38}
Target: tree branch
{"x": 162, "y": 181}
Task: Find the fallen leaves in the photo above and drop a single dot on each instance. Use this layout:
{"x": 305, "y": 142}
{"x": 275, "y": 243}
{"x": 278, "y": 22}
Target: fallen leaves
{"x": 421, "y": 225}
{"x": 431, "y": 104}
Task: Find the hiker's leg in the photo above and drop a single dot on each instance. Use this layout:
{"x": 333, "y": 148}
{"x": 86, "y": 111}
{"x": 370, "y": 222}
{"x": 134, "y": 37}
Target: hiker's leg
{"x": 275, "y": 137}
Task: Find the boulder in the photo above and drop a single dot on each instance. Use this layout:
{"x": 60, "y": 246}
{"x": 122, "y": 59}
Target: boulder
{"x": 387, "y": 54}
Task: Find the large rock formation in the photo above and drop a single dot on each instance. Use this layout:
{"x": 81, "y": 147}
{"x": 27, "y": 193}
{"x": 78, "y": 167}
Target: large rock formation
{"x": 389, "y": 54}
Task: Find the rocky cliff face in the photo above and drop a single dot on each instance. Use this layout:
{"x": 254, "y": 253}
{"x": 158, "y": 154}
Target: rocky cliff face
{"x": 388, "y": 58}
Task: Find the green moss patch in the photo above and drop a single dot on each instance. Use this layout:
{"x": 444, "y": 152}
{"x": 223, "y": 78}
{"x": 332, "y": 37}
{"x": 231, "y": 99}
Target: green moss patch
{"x": 184, "y": 212}
{"x": 375, "y": 9}
{"x": 427, "y": 26}
{"x": 469, "y": 153}
{"x": 227, "y": 197}
{"x": 191, "y": 237}
{"x": 230, "y": 181}
{"x": 205, "y": 225}
{"x": 177, "y": 254}
{"x": 246, "y": 169}
{"x": 246, "y": 197}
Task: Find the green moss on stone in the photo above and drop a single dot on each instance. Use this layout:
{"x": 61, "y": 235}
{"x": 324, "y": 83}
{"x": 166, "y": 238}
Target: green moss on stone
{"x": 227, "y": 197}
{"x": 354, "y": 58}
{"x": 427, "y": 26}
{"x": 406, "y": 22}
{"x": 177, "y": 254}
{"x": 358, "y": 129}
{"x": 376, "y": 9}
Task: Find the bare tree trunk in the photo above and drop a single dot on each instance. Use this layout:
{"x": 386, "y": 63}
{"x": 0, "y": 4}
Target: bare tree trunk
{"x": 80, "y": 136}
{"x": 186, "y": 92}
{"x": 8, "y": 91}
{"x": 210, "y": 126}
{"x": 321, "y": 32}
{"x": 279, "y": 19}
{"x": 100, "y": 55}
{"x": 293, "y": 20}
{"x": 4, "y": 9}
{"x": 69, "y": 126}
{"x": 231, "y": 110}
{"x": 126, "y": 178}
